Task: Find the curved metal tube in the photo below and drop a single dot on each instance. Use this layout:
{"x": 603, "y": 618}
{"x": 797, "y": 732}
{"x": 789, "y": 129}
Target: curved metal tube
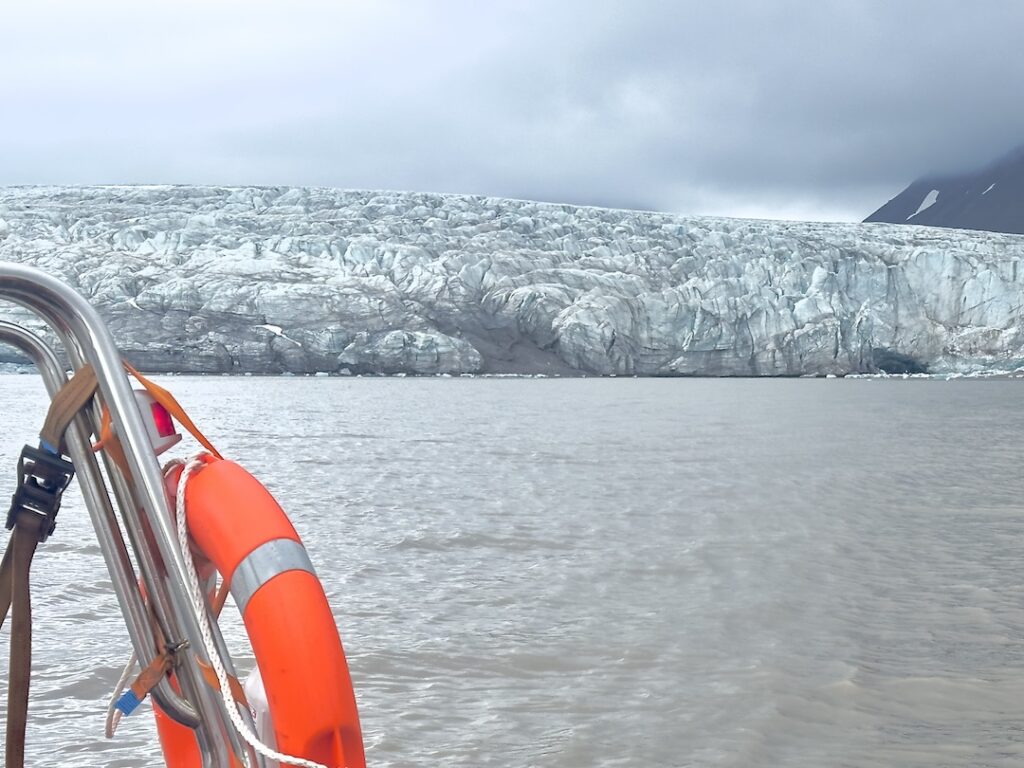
{"x": 87, "y": 339}
{"x": 108, "y": 532}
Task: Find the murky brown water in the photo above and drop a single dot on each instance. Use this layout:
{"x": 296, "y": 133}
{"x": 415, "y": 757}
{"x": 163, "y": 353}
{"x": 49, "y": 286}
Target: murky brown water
{"x": 612, "y": 572}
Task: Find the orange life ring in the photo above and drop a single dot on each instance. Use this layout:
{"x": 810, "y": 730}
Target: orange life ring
{"x": 238, "y": 526}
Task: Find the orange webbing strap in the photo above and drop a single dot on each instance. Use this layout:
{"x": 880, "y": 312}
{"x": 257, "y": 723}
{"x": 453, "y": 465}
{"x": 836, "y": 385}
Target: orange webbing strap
{"x": 221, "y": 597}
{"x": 65, "y": 405}
{"x": 237, "y": 693}
{"x": 108, "y": 440}
{"x": 106, "y": 430}
{"x": 151, "y": 676}
{"x": 166, "y": 399}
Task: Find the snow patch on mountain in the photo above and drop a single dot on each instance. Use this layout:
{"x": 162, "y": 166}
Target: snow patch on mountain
{"x": 929, "y": 200}
{"x": 263, "y": 280}
{"x": 987, "y": 199}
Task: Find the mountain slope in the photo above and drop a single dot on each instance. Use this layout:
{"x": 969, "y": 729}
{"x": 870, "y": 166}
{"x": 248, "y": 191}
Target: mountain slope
{"x": 991, "y": 199}
{"x": 292, "y": 279}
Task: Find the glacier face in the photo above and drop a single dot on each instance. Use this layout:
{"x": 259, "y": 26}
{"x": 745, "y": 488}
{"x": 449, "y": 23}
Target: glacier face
{"x": 211, "y": 279}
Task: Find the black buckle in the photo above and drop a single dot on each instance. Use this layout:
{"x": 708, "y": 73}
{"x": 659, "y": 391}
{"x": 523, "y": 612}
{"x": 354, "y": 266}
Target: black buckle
{"x": 42, "y": 479}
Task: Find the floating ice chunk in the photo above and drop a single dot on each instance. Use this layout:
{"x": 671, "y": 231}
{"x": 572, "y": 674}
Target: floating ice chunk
{"x": 928, "y": 202}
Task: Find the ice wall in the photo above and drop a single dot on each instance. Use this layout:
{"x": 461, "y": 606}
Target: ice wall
{"x": 294, "y": 279}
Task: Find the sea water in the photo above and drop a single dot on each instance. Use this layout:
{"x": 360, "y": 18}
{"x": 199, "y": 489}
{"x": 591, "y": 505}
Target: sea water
{"x": 609, "y": 572}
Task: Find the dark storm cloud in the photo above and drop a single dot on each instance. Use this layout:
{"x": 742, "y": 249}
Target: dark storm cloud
{"x": 791, "y": 109}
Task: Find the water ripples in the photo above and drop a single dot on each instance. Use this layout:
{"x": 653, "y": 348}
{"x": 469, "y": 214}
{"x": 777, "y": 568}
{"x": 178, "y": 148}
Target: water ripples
{"x": 611, "y": 573}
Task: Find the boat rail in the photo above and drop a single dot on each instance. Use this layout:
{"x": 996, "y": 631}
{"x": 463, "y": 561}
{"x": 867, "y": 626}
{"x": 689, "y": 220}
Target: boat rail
{"x": 137, "y": 493}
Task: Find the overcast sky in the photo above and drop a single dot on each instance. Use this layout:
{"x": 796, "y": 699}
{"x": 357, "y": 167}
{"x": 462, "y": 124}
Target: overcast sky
{"x": 811, "y": 109}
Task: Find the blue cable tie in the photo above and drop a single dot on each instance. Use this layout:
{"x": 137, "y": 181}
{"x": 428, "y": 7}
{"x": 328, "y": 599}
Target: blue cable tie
{"x": 128, "y": 702}
{"x": 46, "y": 446}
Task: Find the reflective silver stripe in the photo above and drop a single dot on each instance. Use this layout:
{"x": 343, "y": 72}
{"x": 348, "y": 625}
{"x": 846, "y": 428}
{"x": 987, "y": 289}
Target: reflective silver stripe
{"x": 264, "y": 563}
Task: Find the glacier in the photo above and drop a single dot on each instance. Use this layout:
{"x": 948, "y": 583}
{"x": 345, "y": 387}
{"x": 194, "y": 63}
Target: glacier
{"x": 303, "y": 280}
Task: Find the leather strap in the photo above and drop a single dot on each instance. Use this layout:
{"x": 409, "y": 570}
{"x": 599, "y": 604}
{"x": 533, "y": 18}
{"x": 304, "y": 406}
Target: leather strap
{"x": 14, "y": 583}
{"x": 65, "y": 405}
{"x": 15, "y": 593}
{"x": 6, "y": 575}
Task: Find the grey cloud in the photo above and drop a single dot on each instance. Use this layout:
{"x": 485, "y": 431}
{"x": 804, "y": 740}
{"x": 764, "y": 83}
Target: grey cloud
{"x": 816, "y": 109}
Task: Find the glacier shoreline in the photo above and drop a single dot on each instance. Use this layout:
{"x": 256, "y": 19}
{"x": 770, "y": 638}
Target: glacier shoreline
{"x": 299, "y": 280}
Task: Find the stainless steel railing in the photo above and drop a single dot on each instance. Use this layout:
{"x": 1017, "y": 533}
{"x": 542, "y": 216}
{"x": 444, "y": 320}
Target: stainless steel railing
{"x": 141, "y": 500}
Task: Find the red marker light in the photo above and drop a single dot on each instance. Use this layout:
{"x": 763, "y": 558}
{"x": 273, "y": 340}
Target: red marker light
{"x": 157, "y": 420}
{"x": 162, "y": 420}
